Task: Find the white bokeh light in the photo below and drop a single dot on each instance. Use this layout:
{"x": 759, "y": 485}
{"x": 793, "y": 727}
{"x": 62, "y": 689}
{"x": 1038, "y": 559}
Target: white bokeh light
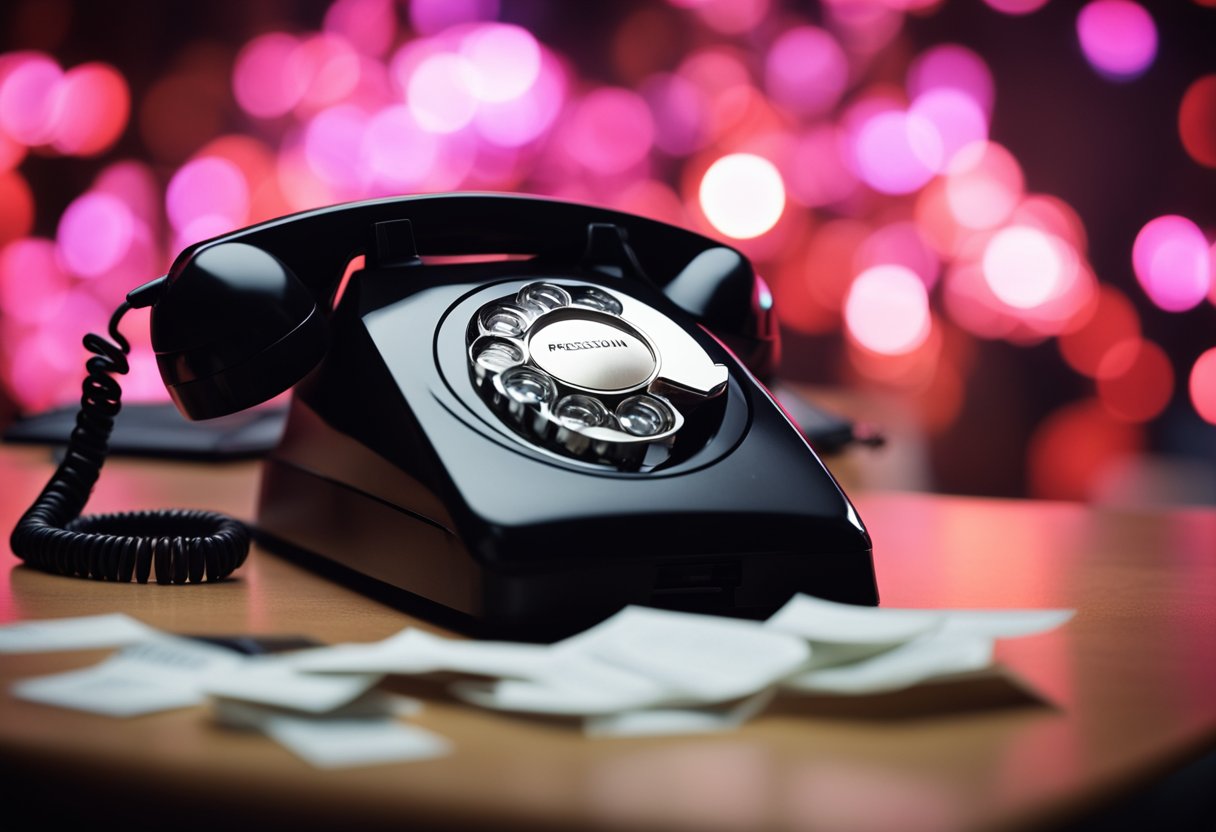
{"x": 742, "y": 195}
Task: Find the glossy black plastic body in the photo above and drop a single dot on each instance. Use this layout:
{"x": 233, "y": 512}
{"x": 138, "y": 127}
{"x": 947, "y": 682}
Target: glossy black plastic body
{"x": 393, "y": 467}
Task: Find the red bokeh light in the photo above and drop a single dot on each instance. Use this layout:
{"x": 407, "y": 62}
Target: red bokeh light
{"x": 1135, "y": 380}
{"x": 1202, "y": 386}
{"x": 1197, "y": 120}
{"x": 1072, "y": 446}
{"x": 1112, "y": 319}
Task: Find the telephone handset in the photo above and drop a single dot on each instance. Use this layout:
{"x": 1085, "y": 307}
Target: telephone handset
{"x": 531, "y": 440}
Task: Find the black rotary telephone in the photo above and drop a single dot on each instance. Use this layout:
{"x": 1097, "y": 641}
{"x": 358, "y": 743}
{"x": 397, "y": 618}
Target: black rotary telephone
{"x": 527, "y": 411}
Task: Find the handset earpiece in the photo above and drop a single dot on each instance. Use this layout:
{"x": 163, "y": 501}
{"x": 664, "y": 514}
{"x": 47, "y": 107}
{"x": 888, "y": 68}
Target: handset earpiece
{"x": 234, "y": 327}
{"x": 721, "y": 290}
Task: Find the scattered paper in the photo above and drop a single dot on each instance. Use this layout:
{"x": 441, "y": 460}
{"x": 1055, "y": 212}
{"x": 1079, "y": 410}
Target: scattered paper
{"x": 342, "y": 743}
{"x": 273, "y": 680}
{"x": 414, "y": 651}
{"x": 161, "y": 674}
{"x": 87, "y": 632}
{"x": 827, "y": 621}
{"x": 365, "y": 732}
{"x": 669, "y": 721}
{"x": 236, "y": 713}
{"x": 928, "y": 657}
{"x": 641, "y": 672}
{"x": 642, "y": 658}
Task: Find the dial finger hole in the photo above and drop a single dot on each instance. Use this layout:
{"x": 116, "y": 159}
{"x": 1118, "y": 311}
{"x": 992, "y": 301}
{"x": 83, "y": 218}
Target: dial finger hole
{"x": 504, "y": 320}
{"x": 497, "y": 354}
{"x": 527, "y": 386}
{"x": 644, "y": 416}
{"x": 543, "y": 297}
{"x": 578, "y": 411}
{"x": 597, "y": 299}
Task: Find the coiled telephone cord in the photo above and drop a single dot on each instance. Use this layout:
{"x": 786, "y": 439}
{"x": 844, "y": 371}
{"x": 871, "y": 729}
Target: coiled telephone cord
{"x": 175, "y": 546}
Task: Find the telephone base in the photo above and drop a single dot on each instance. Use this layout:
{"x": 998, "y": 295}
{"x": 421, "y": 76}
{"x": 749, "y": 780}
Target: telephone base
{"x": 413, "y": 563}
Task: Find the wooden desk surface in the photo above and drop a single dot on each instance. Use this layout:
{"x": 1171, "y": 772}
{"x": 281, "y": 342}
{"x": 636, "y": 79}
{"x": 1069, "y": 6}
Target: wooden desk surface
{"x": 1130, "y": 686}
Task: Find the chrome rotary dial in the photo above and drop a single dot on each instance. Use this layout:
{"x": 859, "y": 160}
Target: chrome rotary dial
{"x": 588, "y": 372}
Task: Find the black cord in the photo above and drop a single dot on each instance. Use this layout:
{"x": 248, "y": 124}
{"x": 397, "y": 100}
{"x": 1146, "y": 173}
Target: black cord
{"x": 176, "y": 546}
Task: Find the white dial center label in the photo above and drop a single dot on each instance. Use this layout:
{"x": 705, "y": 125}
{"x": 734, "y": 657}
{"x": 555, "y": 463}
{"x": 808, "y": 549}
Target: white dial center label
{"x": 591, "y": 354}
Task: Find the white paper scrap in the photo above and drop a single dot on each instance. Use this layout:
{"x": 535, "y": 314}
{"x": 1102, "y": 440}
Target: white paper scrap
{"x": 342, "y": 742}
{"x": 931, "y": 656}
{"x": 669, "y": 721}
{"x": 701, "y": 658}
{"x": 829, "y": 622}
{"x": 87, "y": 632}
{"x": 415, "y": 651}
{"x": 235, "y": 713}
{"x": 157, "y": 675}
{"x": 575, "y": 686}
{"x": 274, "y": 680}
{"x": 1004, "y": 623}
{"x": 817, "y": 620}
{"x": 644, "y": 658}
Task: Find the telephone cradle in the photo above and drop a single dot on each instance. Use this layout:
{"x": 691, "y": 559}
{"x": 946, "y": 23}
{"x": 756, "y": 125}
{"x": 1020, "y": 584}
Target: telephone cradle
{"x": 527, "y": 413}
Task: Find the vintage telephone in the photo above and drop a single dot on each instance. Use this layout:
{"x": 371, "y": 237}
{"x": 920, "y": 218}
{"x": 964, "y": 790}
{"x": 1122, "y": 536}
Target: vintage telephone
{"x": 532, "y": 439}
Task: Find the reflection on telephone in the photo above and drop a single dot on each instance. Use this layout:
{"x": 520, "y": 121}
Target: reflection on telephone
{"x": 530, "y": 412}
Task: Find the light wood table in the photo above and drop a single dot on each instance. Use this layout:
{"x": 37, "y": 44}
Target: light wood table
{"x": 1128, "y": 692}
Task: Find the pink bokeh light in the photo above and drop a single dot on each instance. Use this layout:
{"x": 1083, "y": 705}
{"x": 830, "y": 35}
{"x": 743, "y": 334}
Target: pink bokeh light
{"x": 900, "y": 244}
{"x": 397, "y": 151}
{"x": 1016, "y": 7}
{"x": 95, "y": 233}
{"x": 91, "y": 106}
{"x": 1173, "y": 263}
{"x": 264, "y": 80}
{"x": 818, "y": 172}
{"x": 952, "y": 66}
{"x": 506, "y": 59}
{"x": 368, "y": 25}
{"x": 442, "y": 92}
{"x": 983, "y": 185}
{"x": 525, "y": 119}
{"x": 27, "y": 97}
{"x": 806, "y": 71}
{"x": 957, "y": 118}
{"x": 1118, "y": 37}
{"x": 895, "y": 152}
{"x": 206, "y": 196}
{"x": 32, "y": 283}
{"x": 609, "y": 130}
{"x": 887, "y": 310}
{"x": 430, "y": 17}
{"x": 680, "y": 113}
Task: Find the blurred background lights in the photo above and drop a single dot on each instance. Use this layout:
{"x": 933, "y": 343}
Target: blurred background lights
{"x": 442, "y": 92}
{"x": 921, "y": 235}
{"x": 1118, "y": 37}
{"x": 1197, "y": 120}
{"x": 609, "y": 131}
{"x": 1173, "y": 263}
{"x": 955, "y": 67}
{"x": 1026, "y": 267}
{"x": 806, "y": 71}
{"x": 95, "y": 231}
{"x": 505, "y": 58}
{"x": 742, "y": 195}
{"x": 1016, "y": 6}
{"x": 887, "y": 310}
{"x": 897, "y": 152}
{"x": 1202, "y": 386}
